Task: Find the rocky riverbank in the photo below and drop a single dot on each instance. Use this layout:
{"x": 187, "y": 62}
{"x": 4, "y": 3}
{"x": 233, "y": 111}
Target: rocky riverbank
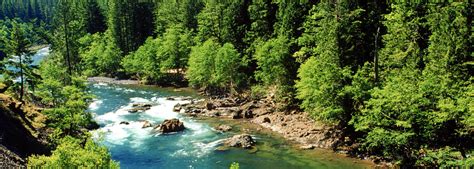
{"x": 112, "y": 80}
{"x": 293, "y": 125}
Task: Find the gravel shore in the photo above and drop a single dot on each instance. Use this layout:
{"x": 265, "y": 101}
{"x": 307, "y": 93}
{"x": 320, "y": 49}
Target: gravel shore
{"x": 112, "y": 80}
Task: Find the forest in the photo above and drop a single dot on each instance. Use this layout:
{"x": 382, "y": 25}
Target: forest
{"x": 396, "y": 77}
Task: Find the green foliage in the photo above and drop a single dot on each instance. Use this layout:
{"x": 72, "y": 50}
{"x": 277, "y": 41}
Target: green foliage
{"x": 201, "y": 63}
{"x": 323, "y": 76}
{"x": 67, "y": 103}
{"x": 211, "y": 65}
{"x": 257, "y": 92}
{"x": 159, "y": 57}
{"x": 170, "y": 13}
{"x": 423, "y": 102}
{"x": 234, "y": 165}
{"x": 130, "y": 22}
{"x": 100, "y": 55}
{"x": 27, "y": 10}
{"x": 272, "y": 57}
{"x": 224, "y": 21}
{"x": 16, "y": 44}
{"x": 52, "y": 75}
{"x": 144, "y": 63}
{"x": 400, "y": 43}
{"x": 411, "y": 101}
{"x": 74, "y": 153}
{"x": 227, "y": 63}
{"x": 445, "y": 157}
{"x": 174, "y": 49}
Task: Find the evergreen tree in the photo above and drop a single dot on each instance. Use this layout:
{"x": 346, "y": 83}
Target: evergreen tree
{"x": 93, "y": 17}
{"x": 335, "y": 30}
{"x": 17, "y": 46}
{"x": 68, "y": 29}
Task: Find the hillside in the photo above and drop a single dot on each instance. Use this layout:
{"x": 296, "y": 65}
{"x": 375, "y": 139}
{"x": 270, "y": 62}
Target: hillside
{"x": 20, "y": 132}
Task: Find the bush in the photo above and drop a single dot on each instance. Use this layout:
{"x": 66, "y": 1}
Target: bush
{"x": 71, "y": 154}
{"x": 234, "y": 165}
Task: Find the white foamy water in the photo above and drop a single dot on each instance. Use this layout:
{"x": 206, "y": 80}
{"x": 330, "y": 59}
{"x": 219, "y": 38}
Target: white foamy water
{"x": 95, "y": 105}
{"x": 133, "y": 133}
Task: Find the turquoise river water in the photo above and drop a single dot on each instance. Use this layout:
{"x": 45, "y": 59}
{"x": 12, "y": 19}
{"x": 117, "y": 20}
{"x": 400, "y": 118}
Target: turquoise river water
{"x": 196, "y": 147}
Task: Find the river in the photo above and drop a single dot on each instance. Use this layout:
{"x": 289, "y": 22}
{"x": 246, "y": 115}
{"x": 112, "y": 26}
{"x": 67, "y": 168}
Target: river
{"x": 196, "y": 147}
{"x": 36, "y": 58}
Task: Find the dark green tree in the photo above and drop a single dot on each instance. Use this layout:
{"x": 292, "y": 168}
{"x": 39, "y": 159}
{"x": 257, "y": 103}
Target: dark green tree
{"x": 17, "y": 46}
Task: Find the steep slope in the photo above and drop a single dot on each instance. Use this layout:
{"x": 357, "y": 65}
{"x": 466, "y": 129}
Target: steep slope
{"x": 20, "y": 136}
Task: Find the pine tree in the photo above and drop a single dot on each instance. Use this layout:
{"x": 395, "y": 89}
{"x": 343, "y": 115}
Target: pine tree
{"x": 334, "y": 29}
{"x": 18, "y": 45}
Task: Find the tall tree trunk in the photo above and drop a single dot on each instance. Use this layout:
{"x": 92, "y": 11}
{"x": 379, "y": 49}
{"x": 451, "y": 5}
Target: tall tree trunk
{"x": 66, "y": 38}
{"x": 376, "y": 58}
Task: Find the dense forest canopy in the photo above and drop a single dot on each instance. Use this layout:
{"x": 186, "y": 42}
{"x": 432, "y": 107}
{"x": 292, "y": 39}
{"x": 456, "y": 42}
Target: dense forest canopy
{"x": 397, "y": 77}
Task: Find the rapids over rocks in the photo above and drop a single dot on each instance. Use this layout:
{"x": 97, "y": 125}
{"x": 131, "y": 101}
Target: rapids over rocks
{"x": 198, "y": 146}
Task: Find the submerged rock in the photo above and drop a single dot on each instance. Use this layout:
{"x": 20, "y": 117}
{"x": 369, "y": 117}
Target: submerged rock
{"x": 223, "y": 128}
{"x": 125, "y": 122}
{"x": 243, "y": 140}
{"x": 170, "y": 125}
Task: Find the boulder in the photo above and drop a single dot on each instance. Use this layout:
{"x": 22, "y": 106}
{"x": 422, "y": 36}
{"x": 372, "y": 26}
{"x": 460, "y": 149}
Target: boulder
{"x": 177, "y": 107}
{"x": 210, "y": 106}
{"x": 170, "y": 125}
{"x": 171, "y": 98}
{"x": 125, "y": 122}
{"x": 139, "y": 107}
{"x": 223, "y": 128}
{"x": 244, "y": 141}
{"x": 146, "y": 124}
{"x": 266, "y": 120}
{"x": 187, "y": 98}
{"x": 248, "y": 114}
{"x": 237, "y": 115}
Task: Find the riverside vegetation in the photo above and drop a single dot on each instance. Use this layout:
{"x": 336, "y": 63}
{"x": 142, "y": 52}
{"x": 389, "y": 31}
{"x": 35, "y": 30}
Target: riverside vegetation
{"x": 394, "y": 77}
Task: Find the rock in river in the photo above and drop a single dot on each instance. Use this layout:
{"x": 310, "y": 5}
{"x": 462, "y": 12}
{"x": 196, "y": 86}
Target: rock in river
{"x": 146, "y": 124}
{"x": 223, "y": 128}
{"x": 139, "y": 107}
{"x": 170, "y": 125}
{"x": 242, "y": 140}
